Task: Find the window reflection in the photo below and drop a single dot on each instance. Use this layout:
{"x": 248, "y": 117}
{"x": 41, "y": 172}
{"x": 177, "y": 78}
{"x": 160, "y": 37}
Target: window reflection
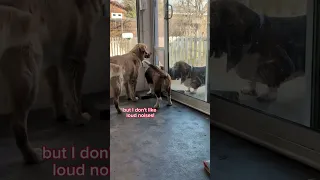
{"x": 257, "y": 55}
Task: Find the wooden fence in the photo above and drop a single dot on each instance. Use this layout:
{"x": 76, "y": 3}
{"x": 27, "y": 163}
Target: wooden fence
{"x": 120, "y": 46}
{"x": 192, "y": 50}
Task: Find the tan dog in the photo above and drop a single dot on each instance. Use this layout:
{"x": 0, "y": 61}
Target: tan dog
{"x": 131, "y": 63}
{"x": 116, "y": 82}
{"x": 31, "y": 30}
{"x": 159, "y": 81}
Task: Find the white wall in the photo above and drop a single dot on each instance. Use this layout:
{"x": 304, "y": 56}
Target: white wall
{"x": 95, "y": 79}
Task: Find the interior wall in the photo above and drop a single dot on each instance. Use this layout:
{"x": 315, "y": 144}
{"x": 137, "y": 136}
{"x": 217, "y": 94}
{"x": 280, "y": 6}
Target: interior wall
{"x": 95, "y": 79}
{"x": 146, "y": 36}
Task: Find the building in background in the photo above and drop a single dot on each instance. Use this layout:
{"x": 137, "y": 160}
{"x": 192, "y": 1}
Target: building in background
{"x": 119, "y": 23}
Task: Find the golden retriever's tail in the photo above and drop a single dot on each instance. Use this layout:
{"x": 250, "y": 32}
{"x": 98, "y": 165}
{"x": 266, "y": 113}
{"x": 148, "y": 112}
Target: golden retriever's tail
{"x": 157, "y": 69}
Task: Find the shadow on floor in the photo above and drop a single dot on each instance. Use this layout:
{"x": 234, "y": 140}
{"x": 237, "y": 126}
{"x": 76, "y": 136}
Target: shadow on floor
{"x": 44, "y": 131}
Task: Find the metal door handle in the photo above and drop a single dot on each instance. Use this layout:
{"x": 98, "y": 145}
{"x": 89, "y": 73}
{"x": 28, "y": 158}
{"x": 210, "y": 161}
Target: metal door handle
{"x": 167, "y": 12}
{"x": 171, "y": 11}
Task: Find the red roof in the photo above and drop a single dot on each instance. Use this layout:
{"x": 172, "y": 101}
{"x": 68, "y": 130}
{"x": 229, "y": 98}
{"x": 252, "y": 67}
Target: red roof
{"x": 116, "y": 3}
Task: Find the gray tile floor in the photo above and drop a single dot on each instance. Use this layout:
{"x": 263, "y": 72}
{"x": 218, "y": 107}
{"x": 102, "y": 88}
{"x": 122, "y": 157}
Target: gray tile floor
{"x": 170, "y": 146}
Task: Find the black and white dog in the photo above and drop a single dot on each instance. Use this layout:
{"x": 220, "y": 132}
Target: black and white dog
{"x": 191, "y": 77}
{"x": 268, "y": 50}
{"x": 158, "y": 80}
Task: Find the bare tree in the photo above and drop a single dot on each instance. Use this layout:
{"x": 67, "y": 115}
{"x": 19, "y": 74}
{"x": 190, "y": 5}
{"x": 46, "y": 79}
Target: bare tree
{"x": 190, "y": 17}
{"x": 129, "y": 21}
{"x": 131, "y": 8}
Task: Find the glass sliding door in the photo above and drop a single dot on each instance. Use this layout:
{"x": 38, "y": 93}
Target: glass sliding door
{"x": 264, "y": 73}
{"x": 279, "y": 85}
{"x": 186, "y": 49}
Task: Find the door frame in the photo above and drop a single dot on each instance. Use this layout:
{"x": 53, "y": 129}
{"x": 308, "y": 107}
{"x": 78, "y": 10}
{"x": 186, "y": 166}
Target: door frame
{"x": 197, "y": 104}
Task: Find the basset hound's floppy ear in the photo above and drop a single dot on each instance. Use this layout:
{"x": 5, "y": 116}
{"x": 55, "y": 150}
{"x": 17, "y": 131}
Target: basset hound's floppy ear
{"x": 183, "y": 70}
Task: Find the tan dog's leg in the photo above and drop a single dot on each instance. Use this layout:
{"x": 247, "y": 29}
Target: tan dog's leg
{"x": 79, "y": 82}
{"x": 73, "y": 70}
{"x": 126, "y": 86}
{"x": 117, "y": 92}
{"x": 169, "y": 96}
{"x": 73, "y": 108}
{"x": 132, "y": 88}
{"x": 22, "y": 74}
{"x": 126, "y": 81}
{"x": 52, "y": 74}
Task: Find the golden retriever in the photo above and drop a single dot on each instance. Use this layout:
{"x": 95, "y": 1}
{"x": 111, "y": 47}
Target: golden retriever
{"x": 131, "y": 63}
{"x": 116, "y": 82}
{"x": 32, "y": 29}
{"x": 159, "y": 81}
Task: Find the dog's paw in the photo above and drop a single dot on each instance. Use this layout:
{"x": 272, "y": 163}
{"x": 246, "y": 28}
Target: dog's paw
{"x": 34, "y": 156}
{"x": 86, "y": 116}
{"x": 83, "y": 119}
{"x": 119, "y": 111}
{"x": 193, "y": 92}
{"x": 157, "y": 106}
{"x": 169, "y": 104}
{"x": 267, "y": 97}
{"x": 249, "y": 91}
